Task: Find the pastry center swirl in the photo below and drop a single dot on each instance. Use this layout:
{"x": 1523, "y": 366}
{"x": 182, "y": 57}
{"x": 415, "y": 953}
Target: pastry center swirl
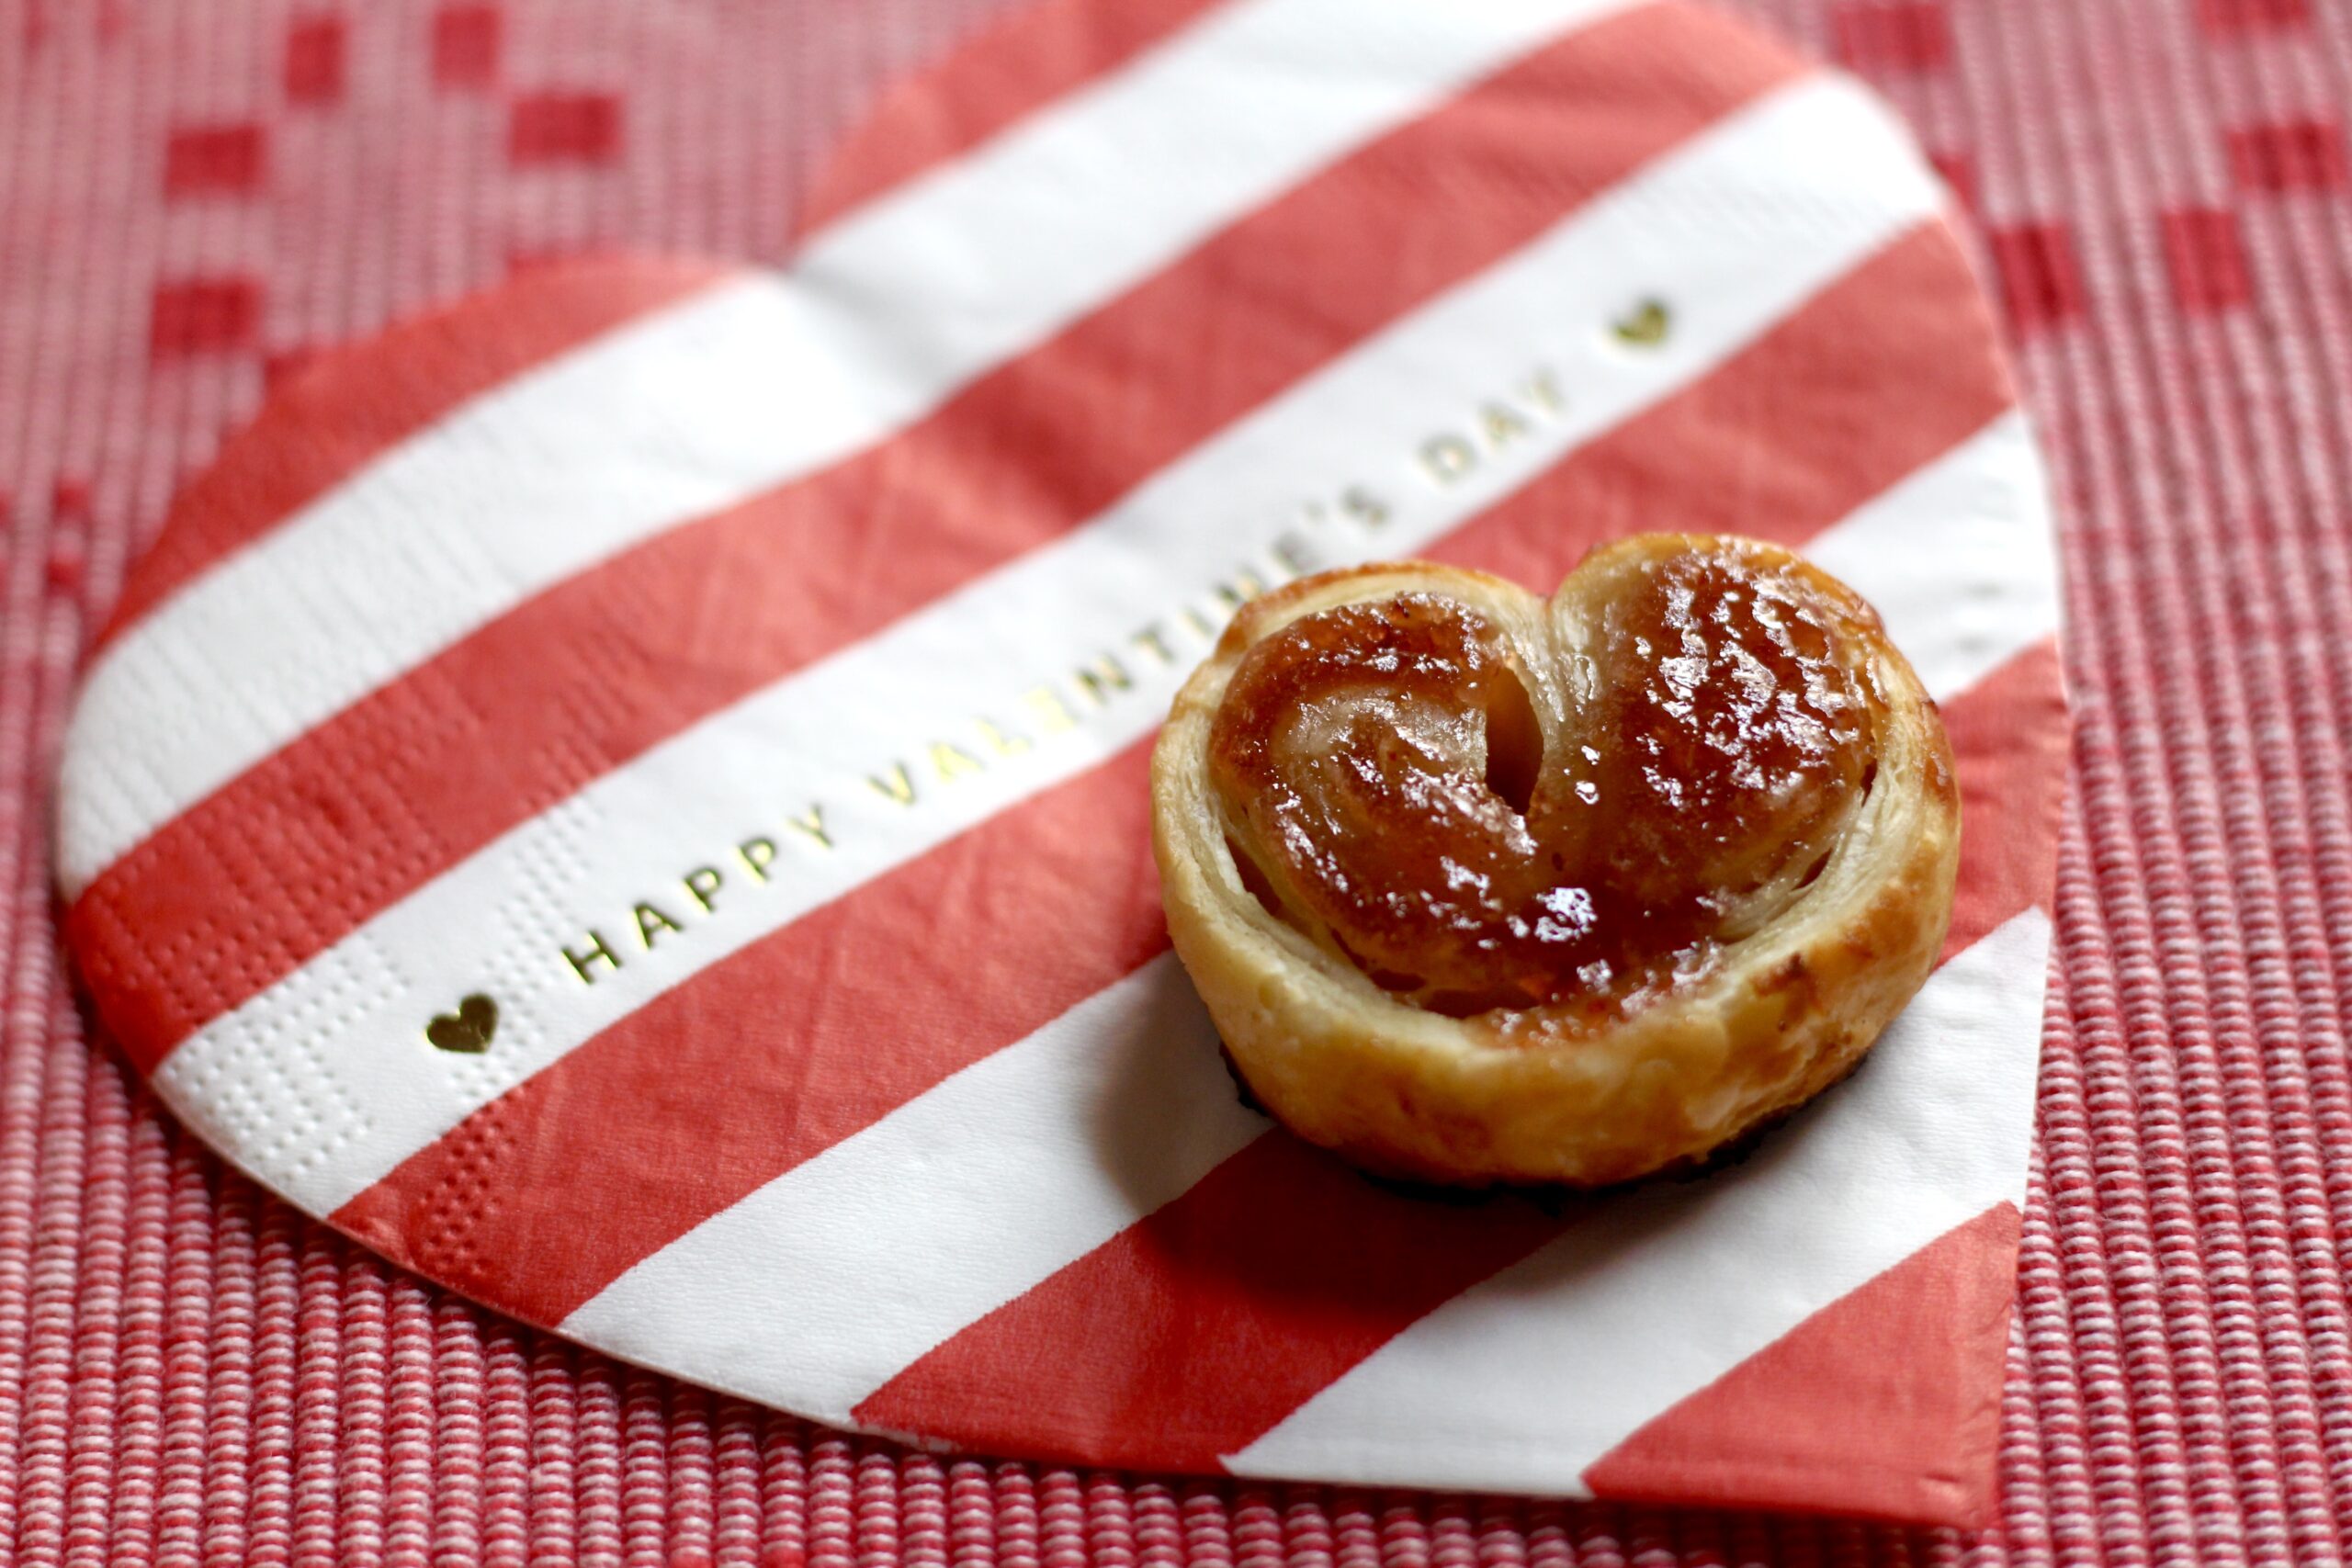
{"x": 1399, "y": 789}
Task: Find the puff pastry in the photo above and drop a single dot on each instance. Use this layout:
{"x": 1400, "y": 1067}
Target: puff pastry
{"x": 1481, "y": 888}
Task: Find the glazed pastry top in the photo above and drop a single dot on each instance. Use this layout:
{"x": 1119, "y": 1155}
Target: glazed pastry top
{"x": 1403, "y": 787}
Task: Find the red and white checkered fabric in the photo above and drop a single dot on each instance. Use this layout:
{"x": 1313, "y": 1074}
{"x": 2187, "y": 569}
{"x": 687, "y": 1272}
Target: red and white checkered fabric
{"x": 190, "y": 1372}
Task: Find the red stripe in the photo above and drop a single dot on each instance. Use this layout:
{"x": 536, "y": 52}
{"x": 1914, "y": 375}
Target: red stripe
{"x": 1222, "y": 1292}
{"x": 1041, "y": 55}
{"x": 587, "y": 1114}
{"x": 1918, "y": 1347}
{"x": 778, "y": 1053}
{"x": 2009, "y": 739}
{"x": 1217, "y": 1316}
{"x": 343, "y": 410}
{"x": 291, "y": 856}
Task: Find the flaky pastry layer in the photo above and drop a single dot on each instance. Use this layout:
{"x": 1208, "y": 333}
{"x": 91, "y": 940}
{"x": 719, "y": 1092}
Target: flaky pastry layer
{"x": 1774, "y": 1018}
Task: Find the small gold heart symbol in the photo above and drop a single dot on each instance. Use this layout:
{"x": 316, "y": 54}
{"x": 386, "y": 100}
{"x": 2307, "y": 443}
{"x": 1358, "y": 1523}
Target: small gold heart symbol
{"x": 469, "y": 1029}
{"x": 1646, "y": 326}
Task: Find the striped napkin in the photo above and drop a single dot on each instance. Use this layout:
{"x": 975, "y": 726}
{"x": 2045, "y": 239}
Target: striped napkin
{"x": 627, "y": 794}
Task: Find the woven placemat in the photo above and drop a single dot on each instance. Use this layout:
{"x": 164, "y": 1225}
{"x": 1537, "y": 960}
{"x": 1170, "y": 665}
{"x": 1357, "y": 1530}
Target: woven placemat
{"x": 192, "y": 198}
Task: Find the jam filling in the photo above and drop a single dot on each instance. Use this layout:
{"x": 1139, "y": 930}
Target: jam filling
{"x": 1397, "y": 795}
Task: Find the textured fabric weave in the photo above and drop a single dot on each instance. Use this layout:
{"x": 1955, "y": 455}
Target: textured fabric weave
{"x": 192, "y": 196}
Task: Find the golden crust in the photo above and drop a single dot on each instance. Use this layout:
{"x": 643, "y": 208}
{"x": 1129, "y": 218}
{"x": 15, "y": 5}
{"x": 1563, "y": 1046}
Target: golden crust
{"x": 1783, "y": 1014}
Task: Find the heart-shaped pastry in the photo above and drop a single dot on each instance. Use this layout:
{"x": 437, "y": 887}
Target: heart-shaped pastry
{"x": 469, "y": 1030}
{"x": 1480, "y": 888}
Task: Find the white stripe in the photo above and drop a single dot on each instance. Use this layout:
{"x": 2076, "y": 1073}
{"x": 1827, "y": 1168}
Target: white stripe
{"x": 1844, "y": 186}
{"x": 1958, "y": 560}
{"x": 814, "y": 1291}
{"x": 882, "y": 317}
{"x": 1522, "y": 1382}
